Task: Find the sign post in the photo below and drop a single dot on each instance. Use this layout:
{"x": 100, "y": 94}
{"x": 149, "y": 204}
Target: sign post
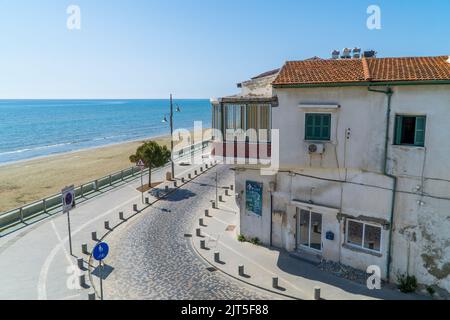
{"x": 99, "y": 253}
{"x": 141, "y": 166}
{"x": 68, "y": 202}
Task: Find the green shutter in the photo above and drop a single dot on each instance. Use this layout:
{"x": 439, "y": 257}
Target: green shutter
{"x": 398, "y": 130}
{"x": 420, "y": 131}
{"x": 317, "y": 126}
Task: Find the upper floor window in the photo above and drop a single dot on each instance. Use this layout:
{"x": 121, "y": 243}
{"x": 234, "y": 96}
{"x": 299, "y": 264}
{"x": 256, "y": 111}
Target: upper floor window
{"x": 410, "y": 130}
{"x": 318, "y": 126}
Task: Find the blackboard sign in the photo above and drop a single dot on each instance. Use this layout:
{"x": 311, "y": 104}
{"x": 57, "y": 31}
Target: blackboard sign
{"x": 253, "y": 197}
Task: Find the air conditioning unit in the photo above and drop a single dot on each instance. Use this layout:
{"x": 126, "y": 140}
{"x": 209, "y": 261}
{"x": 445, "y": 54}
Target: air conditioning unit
{"x": 316, "y": 148}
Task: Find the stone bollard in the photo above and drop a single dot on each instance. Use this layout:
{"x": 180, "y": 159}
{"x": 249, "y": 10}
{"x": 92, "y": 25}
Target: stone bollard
{"x": 202, "y": 244}
{"x": 135, "y": 208}
{"x": 91, "y": 296}
{"x": 84, "y": 248}
{"x": 275, "y": 283}
{"x": 241, "y": 270}
{"x": 220, "y": 198}
{"x": 217, "y": 256}
{"x": 206, "y": 213}
{"x": 80, "y": 263}
{"x": 107, "y": 227}
{"x": 82, "y": 281}
{"x": 121, "y": 216}
{"x": 200, "y": 222}
{"x": 317, "y": 293}
{"x": 198, "y": 232}
{"x": 94, "y": 236}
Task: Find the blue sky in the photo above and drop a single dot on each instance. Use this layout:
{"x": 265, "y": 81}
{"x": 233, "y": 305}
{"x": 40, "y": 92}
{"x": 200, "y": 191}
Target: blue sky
{"x": 193, "y": 48}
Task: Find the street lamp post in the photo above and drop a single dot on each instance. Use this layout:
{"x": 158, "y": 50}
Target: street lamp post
{"x": 171, "y": 133}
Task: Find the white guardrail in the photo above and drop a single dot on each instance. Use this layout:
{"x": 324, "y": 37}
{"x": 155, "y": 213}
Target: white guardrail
{"x": 53, "y": 203}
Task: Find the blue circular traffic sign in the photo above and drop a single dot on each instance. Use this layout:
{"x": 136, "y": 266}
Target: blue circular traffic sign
{"x": 101, "y": 251}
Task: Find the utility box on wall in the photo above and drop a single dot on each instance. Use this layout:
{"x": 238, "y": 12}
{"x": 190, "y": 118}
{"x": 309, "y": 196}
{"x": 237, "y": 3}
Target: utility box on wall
{"x": 329, "y": 236}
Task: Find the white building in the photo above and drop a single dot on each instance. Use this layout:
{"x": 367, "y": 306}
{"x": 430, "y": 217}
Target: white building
{"x": 364, "y": 154}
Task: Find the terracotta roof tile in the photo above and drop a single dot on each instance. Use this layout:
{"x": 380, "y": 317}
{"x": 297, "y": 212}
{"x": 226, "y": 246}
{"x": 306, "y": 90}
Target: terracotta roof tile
{"x": 363, "y": 70}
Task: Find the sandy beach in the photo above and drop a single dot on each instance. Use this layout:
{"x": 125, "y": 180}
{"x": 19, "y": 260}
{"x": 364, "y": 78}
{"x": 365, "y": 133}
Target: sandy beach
{"x": 24, "y": 182}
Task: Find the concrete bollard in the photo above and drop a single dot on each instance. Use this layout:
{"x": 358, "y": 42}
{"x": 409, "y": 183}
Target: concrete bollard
{"x": 206, "y": 213}
{"x": 107, "y": 227}
{"x": 82, "y": 281}
{"x": 275, "y": 283}
{"x": 202, "y": 244}
{"x": 84, "y": 248}
{"x": 241, "y": 270}
{"x": 200, "y": 222}
{"x": 217, "y": 256}
{"x": 317, "y": 293}
{"x": 135, "y": 208}
{"x": 80, "y": 263}
{"x": 91, "y": 296}
{"x": 198, "y": 232}
{"x": 121, "y": 216}
{"x": 94, "y": 236}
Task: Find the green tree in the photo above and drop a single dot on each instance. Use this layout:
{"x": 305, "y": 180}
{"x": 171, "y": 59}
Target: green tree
{"x": 153, "y": 155}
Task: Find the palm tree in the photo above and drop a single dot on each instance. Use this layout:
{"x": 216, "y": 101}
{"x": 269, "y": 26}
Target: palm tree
{"x": 153, "y": 155}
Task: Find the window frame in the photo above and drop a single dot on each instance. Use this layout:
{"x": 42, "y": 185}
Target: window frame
{"x": 362, "y": 247}
{"x": 321, "y": 138}
{"x": 399, "y": 126}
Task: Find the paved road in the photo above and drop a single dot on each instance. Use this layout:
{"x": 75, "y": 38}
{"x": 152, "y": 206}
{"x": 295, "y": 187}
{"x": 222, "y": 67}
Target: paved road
{"x": 35, "y": 262}
{"x": 152, "y": 259}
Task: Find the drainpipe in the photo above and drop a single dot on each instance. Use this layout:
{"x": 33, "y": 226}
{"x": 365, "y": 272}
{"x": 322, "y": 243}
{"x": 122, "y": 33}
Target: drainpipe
{"x": 271, "y": 217}
{"x": 389, "y": 92}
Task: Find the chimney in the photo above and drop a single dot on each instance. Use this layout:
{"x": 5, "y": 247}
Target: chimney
{"x": 370, "y": 54}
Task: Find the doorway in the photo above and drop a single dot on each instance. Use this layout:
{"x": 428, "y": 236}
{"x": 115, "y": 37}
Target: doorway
{"x": 309, "y": 230}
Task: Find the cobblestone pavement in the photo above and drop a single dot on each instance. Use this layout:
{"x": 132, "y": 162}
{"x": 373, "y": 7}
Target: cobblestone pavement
{"x": 152, "y": 258}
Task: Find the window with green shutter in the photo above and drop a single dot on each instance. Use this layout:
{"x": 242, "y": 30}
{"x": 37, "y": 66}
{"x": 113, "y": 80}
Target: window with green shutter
{"x": 410, "y": 130}
{"x": 318, "y": 127}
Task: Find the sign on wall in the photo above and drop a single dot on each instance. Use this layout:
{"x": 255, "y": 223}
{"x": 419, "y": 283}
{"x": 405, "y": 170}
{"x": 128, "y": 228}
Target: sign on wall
{"x": 253, "y": 198}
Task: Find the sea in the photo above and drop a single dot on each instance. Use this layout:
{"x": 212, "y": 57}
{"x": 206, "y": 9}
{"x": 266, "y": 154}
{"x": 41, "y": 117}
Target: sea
{"x": 36, "y": 128}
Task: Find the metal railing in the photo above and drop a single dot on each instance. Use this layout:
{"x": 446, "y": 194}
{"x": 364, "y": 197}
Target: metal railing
{"x": 53, "y": 203}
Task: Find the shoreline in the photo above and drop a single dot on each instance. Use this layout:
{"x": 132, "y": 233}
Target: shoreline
{"x": 18, "y": 162}
{"x": 26, "y": 181}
